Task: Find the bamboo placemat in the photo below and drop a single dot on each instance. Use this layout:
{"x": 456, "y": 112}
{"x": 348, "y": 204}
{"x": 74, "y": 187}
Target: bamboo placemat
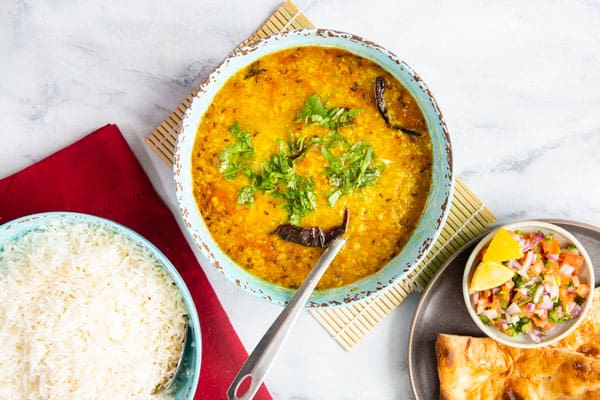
{"x": 468, "y": 218}
{"x": 348, "y": 325}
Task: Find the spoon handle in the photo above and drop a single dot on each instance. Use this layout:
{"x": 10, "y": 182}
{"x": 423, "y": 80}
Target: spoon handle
{"x": 261, "y": 359}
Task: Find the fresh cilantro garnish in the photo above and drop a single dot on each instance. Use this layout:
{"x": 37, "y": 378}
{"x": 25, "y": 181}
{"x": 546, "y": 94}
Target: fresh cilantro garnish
{"x": 300, "y": 198}
{"x": 314, "y": 112}
{"x": 351, "y": 166}
{"x": 553, "y": 316}
{"x": 335, "y": 138}
{"x": 246, "y": 195}
{"x": 521, "y": 326}
{"x": 519, "y": 280}
{"x": 353, "y": 169}
{"x": 279, "y": 169}
{"x": 348, "y": 170}
{"x": 279, "y": 179}
{"x": 236, "y": 157}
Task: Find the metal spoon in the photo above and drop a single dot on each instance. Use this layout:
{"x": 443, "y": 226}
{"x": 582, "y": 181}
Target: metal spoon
{"x": 261, "y": 359}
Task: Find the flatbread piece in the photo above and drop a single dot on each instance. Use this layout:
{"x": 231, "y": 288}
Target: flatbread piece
{"x": 481, "y": 368}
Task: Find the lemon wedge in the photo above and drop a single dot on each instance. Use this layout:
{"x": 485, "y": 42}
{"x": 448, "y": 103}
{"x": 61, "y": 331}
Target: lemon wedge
{"x": 488, "y": 275}
{"x": 503, "y": 247}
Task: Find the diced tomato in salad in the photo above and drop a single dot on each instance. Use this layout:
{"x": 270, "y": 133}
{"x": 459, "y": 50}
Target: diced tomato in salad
{"x": 544, "y": 291}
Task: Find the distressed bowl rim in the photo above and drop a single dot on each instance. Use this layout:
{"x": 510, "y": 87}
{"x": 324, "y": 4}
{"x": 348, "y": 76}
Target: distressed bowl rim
{"x": 436, "y": 209}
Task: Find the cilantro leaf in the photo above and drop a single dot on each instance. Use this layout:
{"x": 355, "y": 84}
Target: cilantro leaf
{"x": 300, "y": 198}
{"x": 278, "y": 178}
{"x": 314, "y": 112}
{"x": 353, "y": 169}
{"x": 246, "y": 195}
{"x": 279, "y": 169}
{"x": 236, "y": 158}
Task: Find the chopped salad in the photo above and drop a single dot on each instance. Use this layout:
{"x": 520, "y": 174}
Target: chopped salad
{"x": 544, "y": 291}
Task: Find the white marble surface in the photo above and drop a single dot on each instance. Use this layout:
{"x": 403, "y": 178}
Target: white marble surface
{"x": 518, "y": 83}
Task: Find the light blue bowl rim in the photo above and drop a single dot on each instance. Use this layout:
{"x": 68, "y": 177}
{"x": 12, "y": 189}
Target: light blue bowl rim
{"x": 436, "y": 209}
{"x": 23, "y": 225}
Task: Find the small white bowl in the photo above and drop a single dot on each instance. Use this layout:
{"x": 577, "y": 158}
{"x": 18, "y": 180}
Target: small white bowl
{"x": 586, "y": 274}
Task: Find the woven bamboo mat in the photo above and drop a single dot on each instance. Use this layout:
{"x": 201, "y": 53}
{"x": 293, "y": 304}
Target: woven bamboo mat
{"x": 348, "y": 325}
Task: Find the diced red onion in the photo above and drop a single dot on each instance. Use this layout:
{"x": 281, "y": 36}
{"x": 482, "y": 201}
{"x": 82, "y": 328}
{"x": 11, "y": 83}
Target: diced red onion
{"x": 541, "y": 313}
{"x": 514, "y": 264}
{"x": 553, "y": 257}
{"x": 513, "y": 309}
{"x": 570, "y": 306}
{"x": 567, "y": 270}
{"x": 538, "y": 238}
{"x": 538, "y": 294}
{"x": 576, "y": 311}
{"x": 554, "y": 292}
{"x": 491, "y": 314}
{"x": 535, "y": 336}
{"x": 530, "y": 307}
{"x": 537, "y": 268}
{"x": 547, "y": 303}
{"x": 551, "y": 290}
{"x": 528, "y": 260}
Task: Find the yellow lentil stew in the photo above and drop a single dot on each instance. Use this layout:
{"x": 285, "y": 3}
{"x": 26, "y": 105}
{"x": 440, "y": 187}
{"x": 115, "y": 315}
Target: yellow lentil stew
{"x": 297, "y": 138}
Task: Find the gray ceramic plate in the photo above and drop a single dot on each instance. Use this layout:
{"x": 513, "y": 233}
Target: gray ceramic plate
{"x": 442, "y": 310}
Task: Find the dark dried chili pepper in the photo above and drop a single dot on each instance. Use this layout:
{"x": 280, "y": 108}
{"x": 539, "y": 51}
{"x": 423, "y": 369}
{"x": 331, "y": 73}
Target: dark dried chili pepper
{"x": 311, "y": 236}
{"x": 378, "y": 89}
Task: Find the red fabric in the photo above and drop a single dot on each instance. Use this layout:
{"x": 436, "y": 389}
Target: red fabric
{"x": 100, "y": 175}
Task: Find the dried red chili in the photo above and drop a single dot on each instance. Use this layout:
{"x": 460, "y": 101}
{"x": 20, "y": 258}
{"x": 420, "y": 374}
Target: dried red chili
{"x": 311, "y": 236}
{"x": 378, "y": 89}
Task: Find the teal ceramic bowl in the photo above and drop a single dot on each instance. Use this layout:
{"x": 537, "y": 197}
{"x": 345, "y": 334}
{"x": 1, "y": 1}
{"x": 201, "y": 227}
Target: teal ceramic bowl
{"x": 438, "y": 201}
{"x": 186, "y": 381}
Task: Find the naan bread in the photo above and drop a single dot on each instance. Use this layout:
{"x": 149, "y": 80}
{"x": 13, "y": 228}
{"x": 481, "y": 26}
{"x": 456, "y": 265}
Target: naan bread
{"x": 586, "y": 338}
{"x": 481, "y": 369}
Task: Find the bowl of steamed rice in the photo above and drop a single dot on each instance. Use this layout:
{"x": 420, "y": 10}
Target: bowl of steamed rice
{"x": 91, "y": 309}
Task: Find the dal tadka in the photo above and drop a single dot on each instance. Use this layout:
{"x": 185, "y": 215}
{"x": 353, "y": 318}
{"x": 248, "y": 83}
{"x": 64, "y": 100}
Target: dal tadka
{"x": 295, "y": 139}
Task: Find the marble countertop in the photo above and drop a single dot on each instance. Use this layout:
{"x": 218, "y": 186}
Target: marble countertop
{"x": 518, "y": 83}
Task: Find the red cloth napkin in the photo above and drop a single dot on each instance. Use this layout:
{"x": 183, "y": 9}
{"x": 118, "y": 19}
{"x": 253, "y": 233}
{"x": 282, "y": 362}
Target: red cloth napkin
{"x": 100, "y": 175}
